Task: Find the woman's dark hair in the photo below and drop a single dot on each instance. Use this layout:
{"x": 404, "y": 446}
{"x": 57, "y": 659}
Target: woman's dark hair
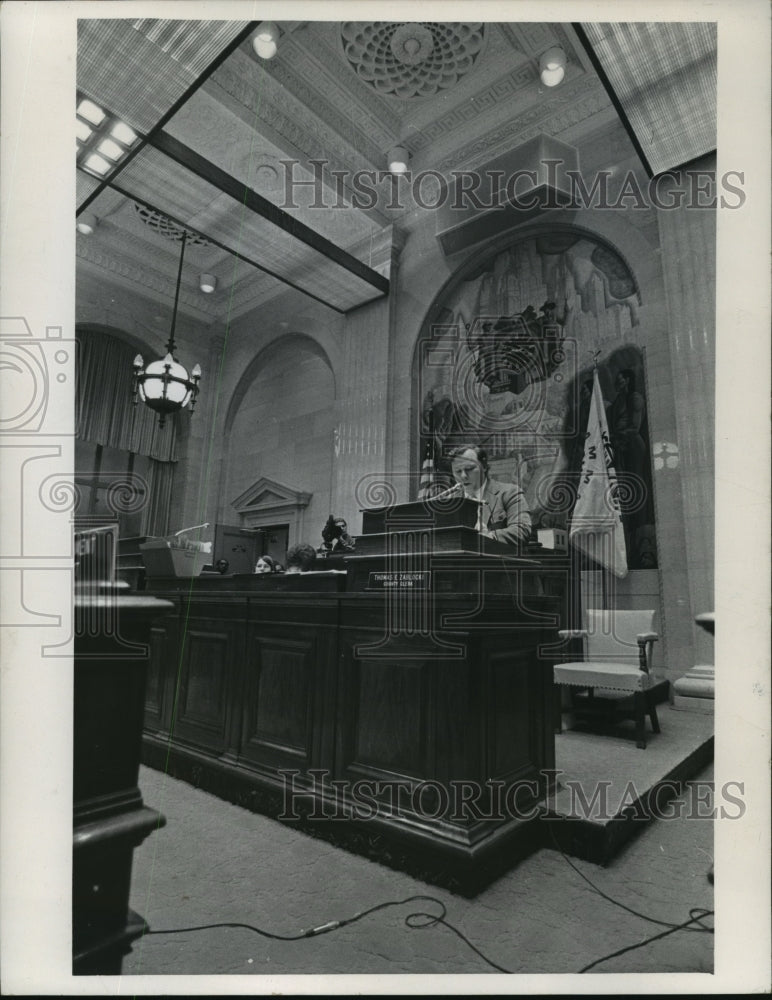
{"x": 629, "y": 374}
{"x": 480, "y": 454}
{"x": 303, "y": 556}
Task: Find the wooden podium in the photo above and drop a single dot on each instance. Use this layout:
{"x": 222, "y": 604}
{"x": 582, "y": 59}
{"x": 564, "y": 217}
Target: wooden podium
{"x": 406, "y": 711}
{"x": 442, "y": 684}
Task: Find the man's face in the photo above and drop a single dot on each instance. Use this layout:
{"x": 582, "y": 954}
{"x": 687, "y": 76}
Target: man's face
{"x": 467, "y": 471}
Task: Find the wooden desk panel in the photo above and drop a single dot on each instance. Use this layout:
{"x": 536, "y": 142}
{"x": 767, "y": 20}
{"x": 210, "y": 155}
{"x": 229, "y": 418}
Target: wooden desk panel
{"x": 339, "y": 688}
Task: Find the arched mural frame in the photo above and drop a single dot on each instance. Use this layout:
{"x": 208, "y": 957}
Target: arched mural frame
{"x": 621, "y": 288}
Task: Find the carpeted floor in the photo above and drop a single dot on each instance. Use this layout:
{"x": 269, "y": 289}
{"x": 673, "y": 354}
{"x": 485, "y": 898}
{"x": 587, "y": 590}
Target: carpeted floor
{"x": 215, "y": 862}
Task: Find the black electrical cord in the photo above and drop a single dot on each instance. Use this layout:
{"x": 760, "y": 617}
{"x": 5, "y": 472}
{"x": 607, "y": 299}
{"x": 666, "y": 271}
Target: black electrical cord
{"x": 420, "y": 920}
{"x": 417, "y": 920}
{"x": 616, "y": 902}
{"x": 656, "y": 937}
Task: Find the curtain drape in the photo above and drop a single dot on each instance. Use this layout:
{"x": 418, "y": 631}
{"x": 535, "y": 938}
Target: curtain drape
{"x": 105, "y": 413}
{"x": 160, "y": 494}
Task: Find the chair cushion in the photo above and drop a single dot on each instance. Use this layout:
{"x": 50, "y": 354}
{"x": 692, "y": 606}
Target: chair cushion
{"x": 611, "y": 635}
{"x": 616, "y": 676}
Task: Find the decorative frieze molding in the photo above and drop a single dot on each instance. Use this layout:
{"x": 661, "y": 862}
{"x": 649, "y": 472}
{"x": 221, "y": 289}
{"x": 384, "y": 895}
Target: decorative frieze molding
{"x": 146, "y": 277}
{"x": 263, "y": 96}
{"x": 585, "y": 99}
{"x": 313, "y": 76}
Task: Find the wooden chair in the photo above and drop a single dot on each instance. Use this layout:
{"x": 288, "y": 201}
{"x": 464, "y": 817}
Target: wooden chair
{"x": 618, "y": 647}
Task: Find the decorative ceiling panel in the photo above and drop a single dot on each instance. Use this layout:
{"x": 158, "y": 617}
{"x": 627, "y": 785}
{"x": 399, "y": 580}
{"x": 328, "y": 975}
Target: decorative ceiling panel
{"x": 455, "y": 94}
{"x": 172, "y": 189}
{"x": 664, "y": 76}
{"x": 411, "y": 59}
{"x": 128, "y": 245}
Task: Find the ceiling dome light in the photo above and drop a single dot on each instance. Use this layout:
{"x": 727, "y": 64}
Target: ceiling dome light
{"x": 207, "y": 283}
{"x": 552, "y": 66}
{"x": 86, "y": 224}
{"x": 398, "y": 160}
{"x": 265, "y": 40}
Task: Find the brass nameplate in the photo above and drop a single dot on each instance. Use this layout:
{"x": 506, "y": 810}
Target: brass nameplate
{"x": 419, "y": 580}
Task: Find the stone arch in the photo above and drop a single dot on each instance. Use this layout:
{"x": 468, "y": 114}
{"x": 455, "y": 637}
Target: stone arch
{"x": 280, "y": 424}
{"x": 529, "y": 419}
{"x": 136, "y": 343}
{"x": 264, "y": 356}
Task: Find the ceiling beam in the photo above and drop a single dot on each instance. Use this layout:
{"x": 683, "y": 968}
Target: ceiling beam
{"x": 244, "y": 195}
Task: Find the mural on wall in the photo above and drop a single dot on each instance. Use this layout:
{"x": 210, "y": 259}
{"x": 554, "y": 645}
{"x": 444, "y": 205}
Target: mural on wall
{"x": 508, "y": 364}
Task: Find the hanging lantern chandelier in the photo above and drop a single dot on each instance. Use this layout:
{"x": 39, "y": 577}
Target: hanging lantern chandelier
{"x": 165, "y": 385}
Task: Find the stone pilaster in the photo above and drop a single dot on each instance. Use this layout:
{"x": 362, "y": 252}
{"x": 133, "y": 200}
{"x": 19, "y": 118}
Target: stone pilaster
{"x": 696, "y": 690}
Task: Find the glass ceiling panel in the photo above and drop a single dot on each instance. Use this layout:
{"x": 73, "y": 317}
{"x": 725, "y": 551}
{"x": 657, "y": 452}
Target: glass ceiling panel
{"x": 85, "y": 184}
{"x": 665, "y": 77}
{"x": 138, "y": 69}
{"x": 255, "y": 161}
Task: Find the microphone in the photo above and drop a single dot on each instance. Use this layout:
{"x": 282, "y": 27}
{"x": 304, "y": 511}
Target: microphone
{"x": 457, "y": 488}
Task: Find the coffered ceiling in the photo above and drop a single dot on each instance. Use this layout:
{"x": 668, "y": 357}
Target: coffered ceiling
{"x": 221, "y": 134}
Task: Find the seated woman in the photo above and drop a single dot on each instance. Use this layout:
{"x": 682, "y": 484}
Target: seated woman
{"x": 504, "y": 515}
{"x": 301, "y": 558}
{"x": 266, "y": 564}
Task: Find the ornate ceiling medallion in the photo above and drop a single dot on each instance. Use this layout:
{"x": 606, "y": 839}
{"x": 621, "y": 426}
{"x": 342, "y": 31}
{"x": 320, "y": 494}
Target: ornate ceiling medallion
{"x": 164, "y": 227}
{"x": 411, "y": 59}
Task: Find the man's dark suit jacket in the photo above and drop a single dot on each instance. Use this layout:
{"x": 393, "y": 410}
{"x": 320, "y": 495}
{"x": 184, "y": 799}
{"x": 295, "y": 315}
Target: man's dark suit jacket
{"x": 508, "y": 517}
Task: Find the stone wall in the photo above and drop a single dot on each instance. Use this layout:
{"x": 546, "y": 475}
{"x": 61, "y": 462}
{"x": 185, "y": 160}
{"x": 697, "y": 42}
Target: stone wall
{"x": 330, "y": 404}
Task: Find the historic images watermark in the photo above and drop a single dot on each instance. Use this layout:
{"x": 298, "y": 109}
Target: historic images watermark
{"x": 316, "y": 795}
{"x": 555, "y": 185}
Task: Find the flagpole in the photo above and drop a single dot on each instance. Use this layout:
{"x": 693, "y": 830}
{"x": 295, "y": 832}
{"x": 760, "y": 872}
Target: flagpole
{"x": 427, "y": 457}
{"x": 603, "y": 567}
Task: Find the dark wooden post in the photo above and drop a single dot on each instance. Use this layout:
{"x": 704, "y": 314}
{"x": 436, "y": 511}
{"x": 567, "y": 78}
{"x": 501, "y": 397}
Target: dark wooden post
{"x": 112, "y": 629}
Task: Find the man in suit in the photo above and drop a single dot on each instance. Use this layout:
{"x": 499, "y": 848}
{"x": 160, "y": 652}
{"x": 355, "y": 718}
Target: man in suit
{"x": 504, "y": 515}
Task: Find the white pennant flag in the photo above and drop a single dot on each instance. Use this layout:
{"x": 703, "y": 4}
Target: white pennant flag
{"x": 596, "y": 524}
{"x": 427, "y": 485}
